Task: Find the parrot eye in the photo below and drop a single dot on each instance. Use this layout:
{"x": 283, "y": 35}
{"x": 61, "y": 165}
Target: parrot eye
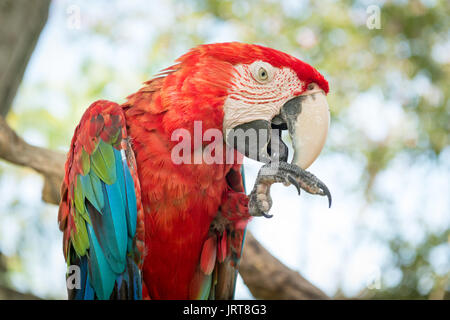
{"x": 262, "y": 74}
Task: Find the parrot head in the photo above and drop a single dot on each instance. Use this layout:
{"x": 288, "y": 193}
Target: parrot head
{"x": 257, "y": 90}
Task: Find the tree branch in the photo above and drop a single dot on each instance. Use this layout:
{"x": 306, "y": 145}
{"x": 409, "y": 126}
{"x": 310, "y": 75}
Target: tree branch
{"x": 7, "y": 293}
{"x": 22, "y": 22}
{"x": 264, "y": 275}
{"x": 14, "y": 149}
{"x": 267, "y": 278}
{"x": 10, "y": 294}
{"x": 47, "y": 162}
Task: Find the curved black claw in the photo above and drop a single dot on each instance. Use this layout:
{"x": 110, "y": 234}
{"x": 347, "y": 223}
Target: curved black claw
{"x": 326, "y": 192}
{"x": 265, "y": 215}
{"x": 295, "y": 183}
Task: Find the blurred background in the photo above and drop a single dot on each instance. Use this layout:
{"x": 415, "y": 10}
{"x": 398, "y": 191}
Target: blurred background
{"x": 386, "y": 160}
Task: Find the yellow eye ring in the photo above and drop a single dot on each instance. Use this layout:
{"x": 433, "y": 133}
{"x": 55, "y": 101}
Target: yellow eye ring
{"x": 263, "y": 75}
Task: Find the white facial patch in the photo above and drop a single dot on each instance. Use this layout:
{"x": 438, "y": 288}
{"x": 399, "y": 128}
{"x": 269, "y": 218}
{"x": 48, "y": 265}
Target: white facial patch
{"x": 251, "y": 98}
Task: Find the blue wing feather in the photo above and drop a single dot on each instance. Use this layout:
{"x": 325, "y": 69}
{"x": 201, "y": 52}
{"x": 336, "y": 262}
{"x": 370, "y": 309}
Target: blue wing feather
{"x": 131, "y": 202}
{"x": 117, "y": 209}
{"x": 85, "y": 292}
{"x": 100, "y": 271}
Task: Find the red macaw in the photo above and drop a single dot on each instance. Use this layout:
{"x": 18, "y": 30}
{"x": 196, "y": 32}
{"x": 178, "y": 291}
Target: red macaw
{"x": 138, "y": 224}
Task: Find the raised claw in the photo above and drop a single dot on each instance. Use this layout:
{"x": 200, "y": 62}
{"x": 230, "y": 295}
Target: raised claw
{"x": 260, "y": 201}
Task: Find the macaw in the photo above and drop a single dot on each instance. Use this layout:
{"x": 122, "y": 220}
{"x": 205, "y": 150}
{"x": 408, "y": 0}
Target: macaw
{"x": 138, "y": 225}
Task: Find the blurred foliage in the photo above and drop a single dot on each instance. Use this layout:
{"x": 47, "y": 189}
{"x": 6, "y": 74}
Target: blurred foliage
{"x": 418, "y": 276}
{"x": 405, "y": 63}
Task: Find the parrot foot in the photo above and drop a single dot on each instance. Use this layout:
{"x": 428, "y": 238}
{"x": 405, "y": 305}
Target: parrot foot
{"x": 260, "y": 200}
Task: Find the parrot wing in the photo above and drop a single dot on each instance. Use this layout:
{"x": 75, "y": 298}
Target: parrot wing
{"x": 100, "y": 212}
{"x": 215, "y": 277}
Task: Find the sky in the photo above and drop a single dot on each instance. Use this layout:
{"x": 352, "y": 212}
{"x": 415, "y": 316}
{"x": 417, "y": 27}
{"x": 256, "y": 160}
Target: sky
{"x": 332, "y": 248}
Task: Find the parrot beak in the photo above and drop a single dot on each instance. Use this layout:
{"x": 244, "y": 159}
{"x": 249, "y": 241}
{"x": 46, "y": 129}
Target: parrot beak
{"x": 308, "y": 118}
{"x": 258, "y": 141}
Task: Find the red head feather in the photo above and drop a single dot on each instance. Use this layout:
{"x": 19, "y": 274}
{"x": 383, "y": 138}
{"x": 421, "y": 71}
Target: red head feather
{"x": 243, "y": 53}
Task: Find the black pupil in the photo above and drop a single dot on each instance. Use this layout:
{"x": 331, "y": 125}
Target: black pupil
{"x": 263, "y": 73}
